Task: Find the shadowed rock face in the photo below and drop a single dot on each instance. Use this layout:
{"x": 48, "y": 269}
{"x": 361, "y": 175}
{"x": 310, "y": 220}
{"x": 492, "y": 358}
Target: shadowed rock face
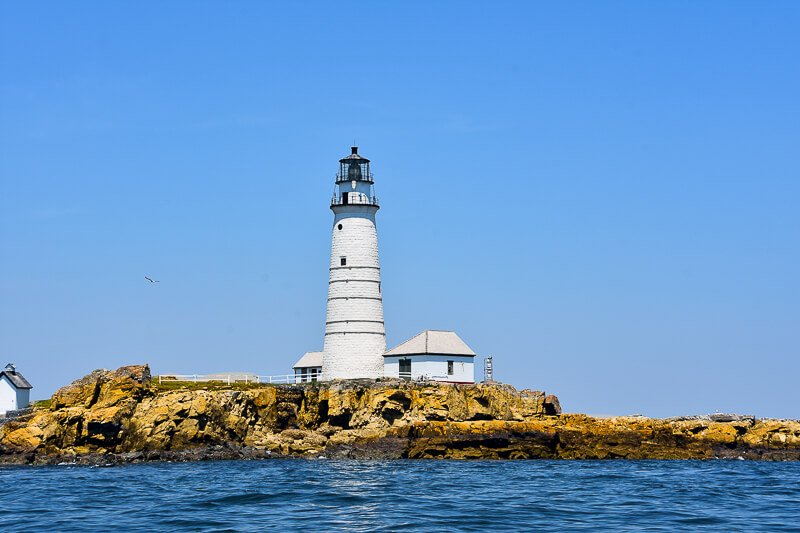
{"x": 121, "y": 416}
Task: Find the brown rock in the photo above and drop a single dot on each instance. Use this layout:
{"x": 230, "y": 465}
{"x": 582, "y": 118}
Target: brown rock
{"x": 551, "y": 405}
{"x": 120, "y": 416}
{"x": 102, "y": 386}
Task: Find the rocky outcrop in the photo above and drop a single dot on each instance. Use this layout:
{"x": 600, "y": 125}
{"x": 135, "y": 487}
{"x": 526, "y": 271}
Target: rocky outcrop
{"x": 122, "y": 416}
{"x": 584, "y": 437}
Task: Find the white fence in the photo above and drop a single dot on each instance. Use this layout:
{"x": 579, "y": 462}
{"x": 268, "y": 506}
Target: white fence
{"x": 286, "y": 379}
{"x": 232, "y": 378}
{"x": 407, "y": 376}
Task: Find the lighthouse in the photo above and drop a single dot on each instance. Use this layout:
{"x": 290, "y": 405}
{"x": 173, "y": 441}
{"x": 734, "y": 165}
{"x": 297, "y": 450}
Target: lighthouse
{"x": 355, "y": 339}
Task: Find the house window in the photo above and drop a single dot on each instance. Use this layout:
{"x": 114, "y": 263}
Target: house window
{"x": 450, "y": 368}
{"x": 405, "y": 368}
{"x": 343, "y": 260}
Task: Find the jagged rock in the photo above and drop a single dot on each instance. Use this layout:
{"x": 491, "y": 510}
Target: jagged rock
{"x": 103, "y": 387}
{"x": 724, "y": 417}
{"x": 121, "y": 416}
{"x": 551, "y": 405}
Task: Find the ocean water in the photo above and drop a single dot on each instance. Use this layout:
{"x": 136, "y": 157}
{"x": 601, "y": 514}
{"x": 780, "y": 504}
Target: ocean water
{"x": 325, "y": 495}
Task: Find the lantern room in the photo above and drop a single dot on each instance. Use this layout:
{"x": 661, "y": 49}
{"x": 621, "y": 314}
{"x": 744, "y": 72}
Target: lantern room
{"x": 354, "y": 168}
{"x": 354, "y": 182}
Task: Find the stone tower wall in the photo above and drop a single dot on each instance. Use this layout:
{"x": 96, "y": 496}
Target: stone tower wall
{"x": 355, "y": 339}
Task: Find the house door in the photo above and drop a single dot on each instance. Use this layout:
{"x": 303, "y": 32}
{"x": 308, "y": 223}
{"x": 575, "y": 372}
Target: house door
{"x": 405, "y": 369}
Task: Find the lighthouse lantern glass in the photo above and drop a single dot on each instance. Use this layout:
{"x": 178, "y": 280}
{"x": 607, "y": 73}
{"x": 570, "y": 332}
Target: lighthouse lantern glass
{"x": 354, "y": 171}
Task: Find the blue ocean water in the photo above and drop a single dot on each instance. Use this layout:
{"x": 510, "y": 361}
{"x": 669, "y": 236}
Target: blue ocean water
{"x": 326, "y": 495}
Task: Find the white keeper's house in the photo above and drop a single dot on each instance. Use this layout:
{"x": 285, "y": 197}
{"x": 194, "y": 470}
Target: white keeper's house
{"x": 308, "y": 367}
{"x": 432, "y": 355}
{"x": 355, "y": 337}
{"x": 15, "y": 391}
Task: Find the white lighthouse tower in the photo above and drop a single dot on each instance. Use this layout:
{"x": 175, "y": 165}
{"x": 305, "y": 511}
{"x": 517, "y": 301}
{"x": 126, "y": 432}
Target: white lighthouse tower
{"x": 355, "y": 339}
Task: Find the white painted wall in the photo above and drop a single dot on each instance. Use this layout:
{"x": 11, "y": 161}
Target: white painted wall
{"x": 362, "y": 187}
{"x": 433, "y": 367}
{"x": 306, "y": 374}
{"x": 12, "y": 398}
{"x": 8, "y": 396}
{"x": 355, "y": 339}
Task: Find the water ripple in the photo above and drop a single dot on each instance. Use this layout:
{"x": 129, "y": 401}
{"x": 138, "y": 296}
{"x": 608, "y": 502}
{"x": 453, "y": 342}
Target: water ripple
{"x": 405, "y": 496}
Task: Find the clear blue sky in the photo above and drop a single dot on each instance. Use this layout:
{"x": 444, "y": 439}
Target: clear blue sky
{"x": 604, "y": 196}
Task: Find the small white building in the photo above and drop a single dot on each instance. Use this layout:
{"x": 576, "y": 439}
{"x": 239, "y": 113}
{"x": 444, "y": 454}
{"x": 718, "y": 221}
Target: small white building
{"x": 15, "y": 391}
{"x": 434, "y": 355}
{"x": 308, "y": 367}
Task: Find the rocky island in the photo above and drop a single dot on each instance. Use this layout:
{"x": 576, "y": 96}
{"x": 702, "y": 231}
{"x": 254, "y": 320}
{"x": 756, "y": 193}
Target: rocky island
{"x": 121, "y": 416}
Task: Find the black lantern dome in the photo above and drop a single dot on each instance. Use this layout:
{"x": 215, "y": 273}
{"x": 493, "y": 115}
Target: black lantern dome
{"x": 354, "y": 167}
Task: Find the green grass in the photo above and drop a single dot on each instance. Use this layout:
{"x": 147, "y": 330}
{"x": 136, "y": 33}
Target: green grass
{"x": 41, "y": 404}
{"x": 204, "y": 385}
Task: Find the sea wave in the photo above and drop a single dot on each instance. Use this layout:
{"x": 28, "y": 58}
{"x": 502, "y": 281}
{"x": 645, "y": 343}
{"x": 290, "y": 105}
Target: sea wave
{"x": 405, "y": 496}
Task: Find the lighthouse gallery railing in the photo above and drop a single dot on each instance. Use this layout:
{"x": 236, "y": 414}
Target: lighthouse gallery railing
{"x": 354, "y": 200}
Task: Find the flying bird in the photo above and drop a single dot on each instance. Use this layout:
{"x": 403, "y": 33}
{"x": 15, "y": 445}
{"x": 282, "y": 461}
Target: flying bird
{"x": 151, "y": 280}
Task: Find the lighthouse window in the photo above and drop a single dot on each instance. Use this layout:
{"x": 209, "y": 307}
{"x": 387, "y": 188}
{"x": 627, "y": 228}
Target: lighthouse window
{"x": 343, "y": 260}
{"x": 340, "y": 226}
{"x": 450, "y": 368}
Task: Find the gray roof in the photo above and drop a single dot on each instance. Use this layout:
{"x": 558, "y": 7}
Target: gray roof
{"x": 309, "y": 360}
{"x": 433, "y": 342}
{"x": 16, "y": 379}
{"x": 354, "y": 156}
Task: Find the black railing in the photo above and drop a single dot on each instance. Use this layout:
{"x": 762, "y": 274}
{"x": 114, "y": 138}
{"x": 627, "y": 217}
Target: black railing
{"x": 368, "y": 177}
{"x": 355, "y": 199}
